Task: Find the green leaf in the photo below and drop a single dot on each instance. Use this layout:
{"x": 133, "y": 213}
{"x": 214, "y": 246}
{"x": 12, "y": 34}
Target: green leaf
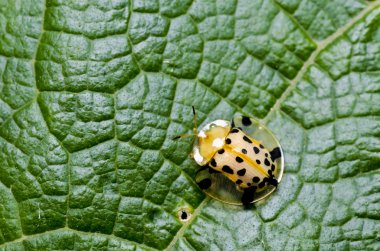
{"x": 92, "y": 93}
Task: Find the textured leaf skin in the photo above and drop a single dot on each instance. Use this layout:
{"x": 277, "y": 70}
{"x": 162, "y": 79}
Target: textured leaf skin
{"x": 92, "y": 93}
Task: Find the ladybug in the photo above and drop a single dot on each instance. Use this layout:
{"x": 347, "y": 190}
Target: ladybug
{"x": 223, "y": 147}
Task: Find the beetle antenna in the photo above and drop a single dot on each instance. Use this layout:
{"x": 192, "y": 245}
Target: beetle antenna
{"x": 195, "y": 129}
{"x": 183, "y": 136}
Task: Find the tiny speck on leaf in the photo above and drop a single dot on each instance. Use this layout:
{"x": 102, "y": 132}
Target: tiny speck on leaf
{"x": 184, "y": 214}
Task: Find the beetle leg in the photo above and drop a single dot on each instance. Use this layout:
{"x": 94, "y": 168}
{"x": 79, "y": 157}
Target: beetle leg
{"x": 248, "y": 196}
{"x": 273, "y": 181}
{"x": 275, "y": 153}
{"x": 212, "y": 170}
{"x": 239, "y": 188}
{"x": 205, "y": 183}
{"x": 202, "y": 168}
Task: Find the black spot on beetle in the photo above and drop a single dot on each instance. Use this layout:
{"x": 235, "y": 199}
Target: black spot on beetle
{"x": 266, "y": 162}
{"x": 228, "y": 141}
{"x": 238, "y": 159}
{"x": 249, "y": 184}
{"x": 257, "y": 150}
{"x": 241, "y": 172}
{"x": 256, "y": 179}
{"x": 213, "y": 163}
{"x": 273, "y": 167}
{"x": 266, "y": 154}
{"x": 238, "y": 182}
{"x": 261, "y": 146}
{"x": 270, "y": 172}
{"x": 247, "y": 139}
{"x": 246, "y": 121}
{"x": 221, "y": 151}
{"x": 244, "y": 151}
{"x": 234, "y": 130}
{"x": 258, "y": 162}
{"x": 227, "y": 169}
